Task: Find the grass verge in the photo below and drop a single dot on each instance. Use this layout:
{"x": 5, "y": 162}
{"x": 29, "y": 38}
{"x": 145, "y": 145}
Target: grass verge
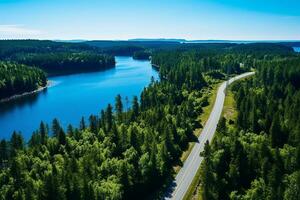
{"x": 230, "y": 113}
{"x": 229, "y": 108}
{"x": 192, "y": 190}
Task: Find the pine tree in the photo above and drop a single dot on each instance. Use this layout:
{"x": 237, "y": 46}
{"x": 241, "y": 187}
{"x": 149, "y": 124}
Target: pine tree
{"x": 55, "y": 127}
{"x": 221, "y": 127}
{"x": 119, "y": 107}
{"x": 108, "y": 117}
{"x": 275, "y": 131}
{"x": 93, "y": 124}
{"x": 3, "y": 150}
{"x": 16, "y": 143}
{"x": 43, "y": 133}
{"x": 135, "y": 108}
{"x": 70, "y": 130}
{"x": 61, "y": 137}
{"x": 82, "y": 124}
{"x": 207, "y": 175}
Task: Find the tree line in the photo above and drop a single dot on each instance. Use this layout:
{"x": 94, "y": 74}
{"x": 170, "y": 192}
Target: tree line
{"x": 67, "y": 63}
{"x": 10, "y": 48}
{"x": 17, "y": 78}
{"x": 141, "y": 55}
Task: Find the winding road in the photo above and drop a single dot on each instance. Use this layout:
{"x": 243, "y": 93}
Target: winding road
{"x": 188, "y": 171}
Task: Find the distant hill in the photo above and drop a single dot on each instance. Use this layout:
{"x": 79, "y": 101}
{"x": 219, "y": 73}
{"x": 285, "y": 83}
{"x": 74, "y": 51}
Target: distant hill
{"x": 70, "y": 41}
{"x": 291, "y": 44}
{"x": 212, "y": 40}
{"x": 158, "y": 39}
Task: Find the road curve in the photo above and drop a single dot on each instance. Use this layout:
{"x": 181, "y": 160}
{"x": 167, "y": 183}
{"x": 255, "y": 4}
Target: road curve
{"x": 186, "y": 174}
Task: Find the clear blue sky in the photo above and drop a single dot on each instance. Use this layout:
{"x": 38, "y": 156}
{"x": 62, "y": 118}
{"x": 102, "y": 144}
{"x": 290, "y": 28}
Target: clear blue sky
{"x": 126, "y": 19}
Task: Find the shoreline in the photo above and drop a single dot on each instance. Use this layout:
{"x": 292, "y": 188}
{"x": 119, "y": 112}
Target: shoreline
{"x": 49, "y": 83}
{"x": 155, "y": 66}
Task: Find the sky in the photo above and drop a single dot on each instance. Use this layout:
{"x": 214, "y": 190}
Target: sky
{"x": 128, "y": 19}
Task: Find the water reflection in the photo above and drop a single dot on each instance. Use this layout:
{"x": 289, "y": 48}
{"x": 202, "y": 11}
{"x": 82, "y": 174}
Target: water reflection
{"x": 73, "y": 96}
{"x": 20, "y": 102}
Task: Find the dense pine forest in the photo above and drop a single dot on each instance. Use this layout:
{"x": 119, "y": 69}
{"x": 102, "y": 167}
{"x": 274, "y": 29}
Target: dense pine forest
{"x": 17, "y": 78}
{"x": 141, "y": 55}
{"x": 10, "y": 48}
{"x": 130, "y": 153}
{"x": 258, "y": 157}
{"x": 67, "y": 63}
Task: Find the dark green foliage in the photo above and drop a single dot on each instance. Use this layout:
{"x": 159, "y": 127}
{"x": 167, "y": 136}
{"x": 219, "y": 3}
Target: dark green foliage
{"x": 130, "y": 153}
{"x": 55, "y": 127}
{"x": 190, "y": 66}
{"x": 261, "y": 49}
{"x": 135, "y": 108}
{"x": 123, "y": 154}
{"x": 207, "y": 175}
{"x": 141, "y": 55}
{"x": 61, "y": 137}
{"x": 9, "y": 48}
{"x": 108, "y": 118}
{"x": 119, "y": 107}
{"x": 129, "y": 48}
{"x": 17, "y": 79}
{"x": 4, "y": 151}
{"x": 258, "y": 158}
{"x": 43, "y": 132}
{"x": 82, "y": 125}
{"x": 16, "y": 143}
{"x": 67, "y": 63}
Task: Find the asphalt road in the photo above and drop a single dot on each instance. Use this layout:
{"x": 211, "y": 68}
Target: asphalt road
{"x": 186, "y": 174}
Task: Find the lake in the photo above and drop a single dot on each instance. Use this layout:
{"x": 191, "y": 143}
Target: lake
{"x": 73, "y": 96}
{"x": 296, "y": 49}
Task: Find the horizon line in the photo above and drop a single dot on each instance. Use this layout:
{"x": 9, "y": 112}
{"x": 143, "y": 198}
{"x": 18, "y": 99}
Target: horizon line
{"x": 160, "y": 39}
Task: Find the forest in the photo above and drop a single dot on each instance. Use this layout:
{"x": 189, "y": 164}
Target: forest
{"x": 258, "y": 156}
{"x": 54, "y": 58}
{"x": 67, "y": 63}
{"x": 120, "y": 154}
{"x": 10, "y": 48}
{"x": 18, "y": 78}
{"x": 141, "y": 55}
{"x": 130, "y": 153}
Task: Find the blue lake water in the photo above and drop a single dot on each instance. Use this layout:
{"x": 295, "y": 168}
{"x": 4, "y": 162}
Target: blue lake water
{"x": 297, "y": 49}
{"x": 73, "y": 96}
